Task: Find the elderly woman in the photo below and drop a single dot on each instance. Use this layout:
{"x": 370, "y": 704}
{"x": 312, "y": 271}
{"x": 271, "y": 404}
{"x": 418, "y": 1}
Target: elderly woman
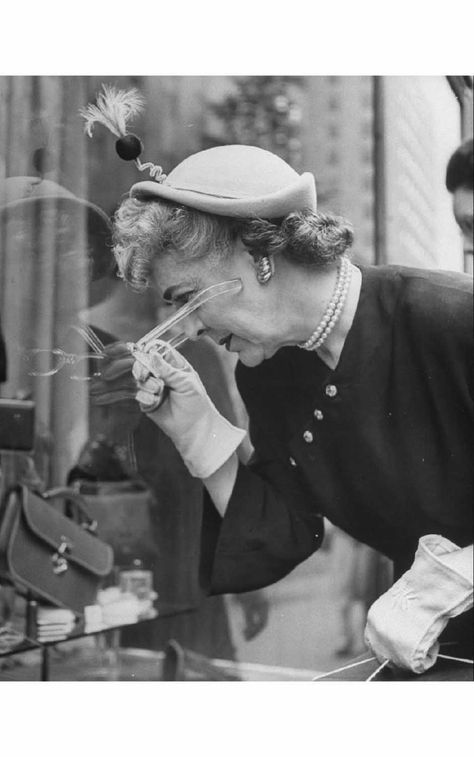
{"x": 355, "y": 379}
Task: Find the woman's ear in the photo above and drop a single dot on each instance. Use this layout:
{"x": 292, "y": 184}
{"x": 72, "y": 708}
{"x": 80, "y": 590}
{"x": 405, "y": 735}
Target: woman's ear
{"x": 262, "y": 265}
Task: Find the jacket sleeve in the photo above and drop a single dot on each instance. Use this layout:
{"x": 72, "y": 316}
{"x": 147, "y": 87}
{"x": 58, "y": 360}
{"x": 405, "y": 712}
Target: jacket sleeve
{"x": 271, "y": 523}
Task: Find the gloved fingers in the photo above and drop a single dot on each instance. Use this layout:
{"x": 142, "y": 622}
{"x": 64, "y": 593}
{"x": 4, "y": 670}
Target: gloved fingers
{"x": 148, "y": 401}
{"x": 145, "y": 380}
{"x": 152, "y": 385}
{"x": 161, "y": 368}
{"x": 379, "y": 654}
{"x": 139, "y": 371}
{"x": 398, "y": 639}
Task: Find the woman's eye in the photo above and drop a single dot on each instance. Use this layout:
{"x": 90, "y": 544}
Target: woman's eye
{"x": 182, "y": 299}
{"x": 178, "y": 300}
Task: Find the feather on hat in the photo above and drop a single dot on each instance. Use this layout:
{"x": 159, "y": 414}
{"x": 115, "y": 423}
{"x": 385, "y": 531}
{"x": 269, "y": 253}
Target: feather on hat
{"x": 232, "y": 180}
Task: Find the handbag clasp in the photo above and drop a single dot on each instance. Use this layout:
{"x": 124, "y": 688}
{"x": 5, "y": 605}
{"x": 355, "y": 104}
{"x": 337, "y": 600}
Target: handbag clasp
{"x": 60, "y": 564}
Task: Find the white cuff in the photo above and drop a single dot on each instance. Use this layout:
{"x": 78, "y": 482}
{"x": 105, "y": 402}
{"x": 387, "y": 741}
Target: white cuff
{"x": 404, "y": 624}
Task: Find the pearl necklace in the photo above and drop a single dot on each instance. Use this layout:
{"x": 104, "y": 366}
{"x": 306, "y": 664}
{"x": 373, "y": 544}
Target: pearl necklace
{"x": 334, "y": 308}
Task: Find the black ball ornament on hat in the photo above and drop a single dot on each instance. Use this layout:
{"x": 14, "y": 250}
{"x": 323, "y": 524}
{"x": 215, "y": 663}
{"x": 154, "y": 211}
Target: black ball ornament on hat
{"x": 115, "y": 108}
{"x": 129, "y": 147}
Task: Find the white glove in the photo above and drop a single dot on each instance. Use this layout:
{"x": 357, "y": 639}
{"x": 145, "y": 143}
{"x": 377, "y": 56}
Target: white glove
{"x": 175, "y": 399}
{"x": 404, "y": 624}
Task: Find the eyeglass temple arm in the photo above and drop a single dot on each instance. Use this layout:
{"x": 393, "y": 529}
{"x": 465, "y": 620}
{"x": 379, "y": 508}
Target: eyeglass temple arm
{"x": 90, "y": 337}
{"x": 175, "y": 342}
{"x": 95, "y": 343}
{"x": 235, "y": 285}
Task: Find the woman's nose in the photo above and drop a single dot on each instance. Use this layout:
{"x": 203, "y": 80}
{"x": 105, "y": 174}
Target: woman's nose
{"x": 193, "y": 327}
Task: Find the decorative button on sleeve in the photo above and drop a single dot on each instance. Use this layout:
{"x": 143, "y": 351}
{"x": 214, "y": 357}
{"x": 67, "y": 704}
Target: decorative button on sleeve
{"x": 308, "y": 437}
{"x": 331, "y": 390}
{"x": 293, "y": 462}
{"x": 318, "y": 415}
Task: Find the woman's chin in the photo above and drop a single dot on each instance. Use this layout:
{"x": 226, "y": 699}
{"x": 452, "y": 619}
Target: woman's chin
{"x": 252, "y": 356}
{"x": 250, "y": 361}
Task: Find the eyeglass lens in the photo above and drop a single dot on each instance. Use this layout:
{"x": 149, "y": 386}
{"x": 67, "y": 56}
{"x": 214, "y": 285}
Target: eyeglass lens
{"x": 44, "y": 362}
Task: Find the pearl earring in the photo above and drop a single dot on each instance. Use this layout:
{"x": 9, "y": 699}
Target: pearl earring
{"x": 264, "y": 267}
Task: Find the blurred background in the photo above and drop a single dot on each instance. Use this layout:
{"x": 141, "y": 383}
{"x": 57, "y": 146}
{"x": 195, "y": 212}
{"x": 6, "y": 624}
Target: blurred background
{"x": 378, "y": 147}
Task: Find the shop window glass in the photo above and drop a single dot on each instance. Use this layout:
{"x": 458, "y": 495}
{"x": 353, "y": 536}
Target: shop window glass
{"x": 61, "y": 302}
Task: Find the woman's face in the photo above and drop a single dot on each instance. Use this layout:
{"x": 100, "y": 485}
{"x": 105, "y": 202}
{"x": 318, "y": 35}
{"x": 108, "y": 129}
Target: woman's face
{"x": 246, "y": 322}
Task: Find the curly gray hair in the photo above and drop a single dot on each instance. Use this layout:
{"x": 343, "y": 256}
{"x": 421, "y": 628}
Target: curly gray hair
{"x": 146, "y": 230}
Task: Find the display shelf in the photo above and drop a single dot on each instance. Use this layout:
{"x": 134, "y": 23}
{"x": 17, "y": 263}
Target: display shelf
{"x": 29, "y": 643}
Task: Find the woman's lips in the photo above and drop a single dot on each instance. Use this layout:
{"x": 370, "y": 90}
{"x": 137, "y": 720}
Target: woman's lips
{"x": 226, "y": 341}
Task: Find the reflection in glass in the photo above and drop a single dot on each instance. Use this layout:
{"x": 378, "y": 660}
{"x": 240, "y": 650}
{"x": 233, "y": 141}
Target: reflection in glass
{"x": 43, "y": 362}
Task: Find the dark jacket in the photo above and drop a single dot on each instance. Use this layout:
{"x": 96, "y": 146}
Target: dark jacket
{"x": 381, "y": 446}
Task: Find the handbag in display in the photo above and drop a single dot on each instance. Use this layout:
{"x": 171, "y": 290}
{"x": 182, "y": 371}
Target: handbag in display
{"x": 48, "y": 555}
{"x": 123, "y": 511}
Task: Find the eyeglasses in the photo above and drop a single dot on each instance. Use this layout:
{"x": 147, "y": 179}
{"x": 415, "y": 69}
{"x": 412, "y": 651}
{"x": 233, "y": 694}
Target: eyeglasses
{"x": 148, "y": 341}
{"x": 43, "y": 362}
{"x": 47, "y": 362}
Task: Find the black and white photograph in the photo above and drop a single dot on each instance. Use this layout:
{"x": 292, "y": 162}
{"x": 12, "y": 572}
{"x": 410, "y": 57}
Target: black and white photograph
{"x": 236, "y": 381}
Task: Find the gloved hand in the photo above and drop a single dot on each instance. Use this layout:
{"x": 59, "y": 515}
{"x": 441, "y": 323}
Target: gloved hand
{"x": 174, "y": 397}
{"x": 404, "y": 624}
